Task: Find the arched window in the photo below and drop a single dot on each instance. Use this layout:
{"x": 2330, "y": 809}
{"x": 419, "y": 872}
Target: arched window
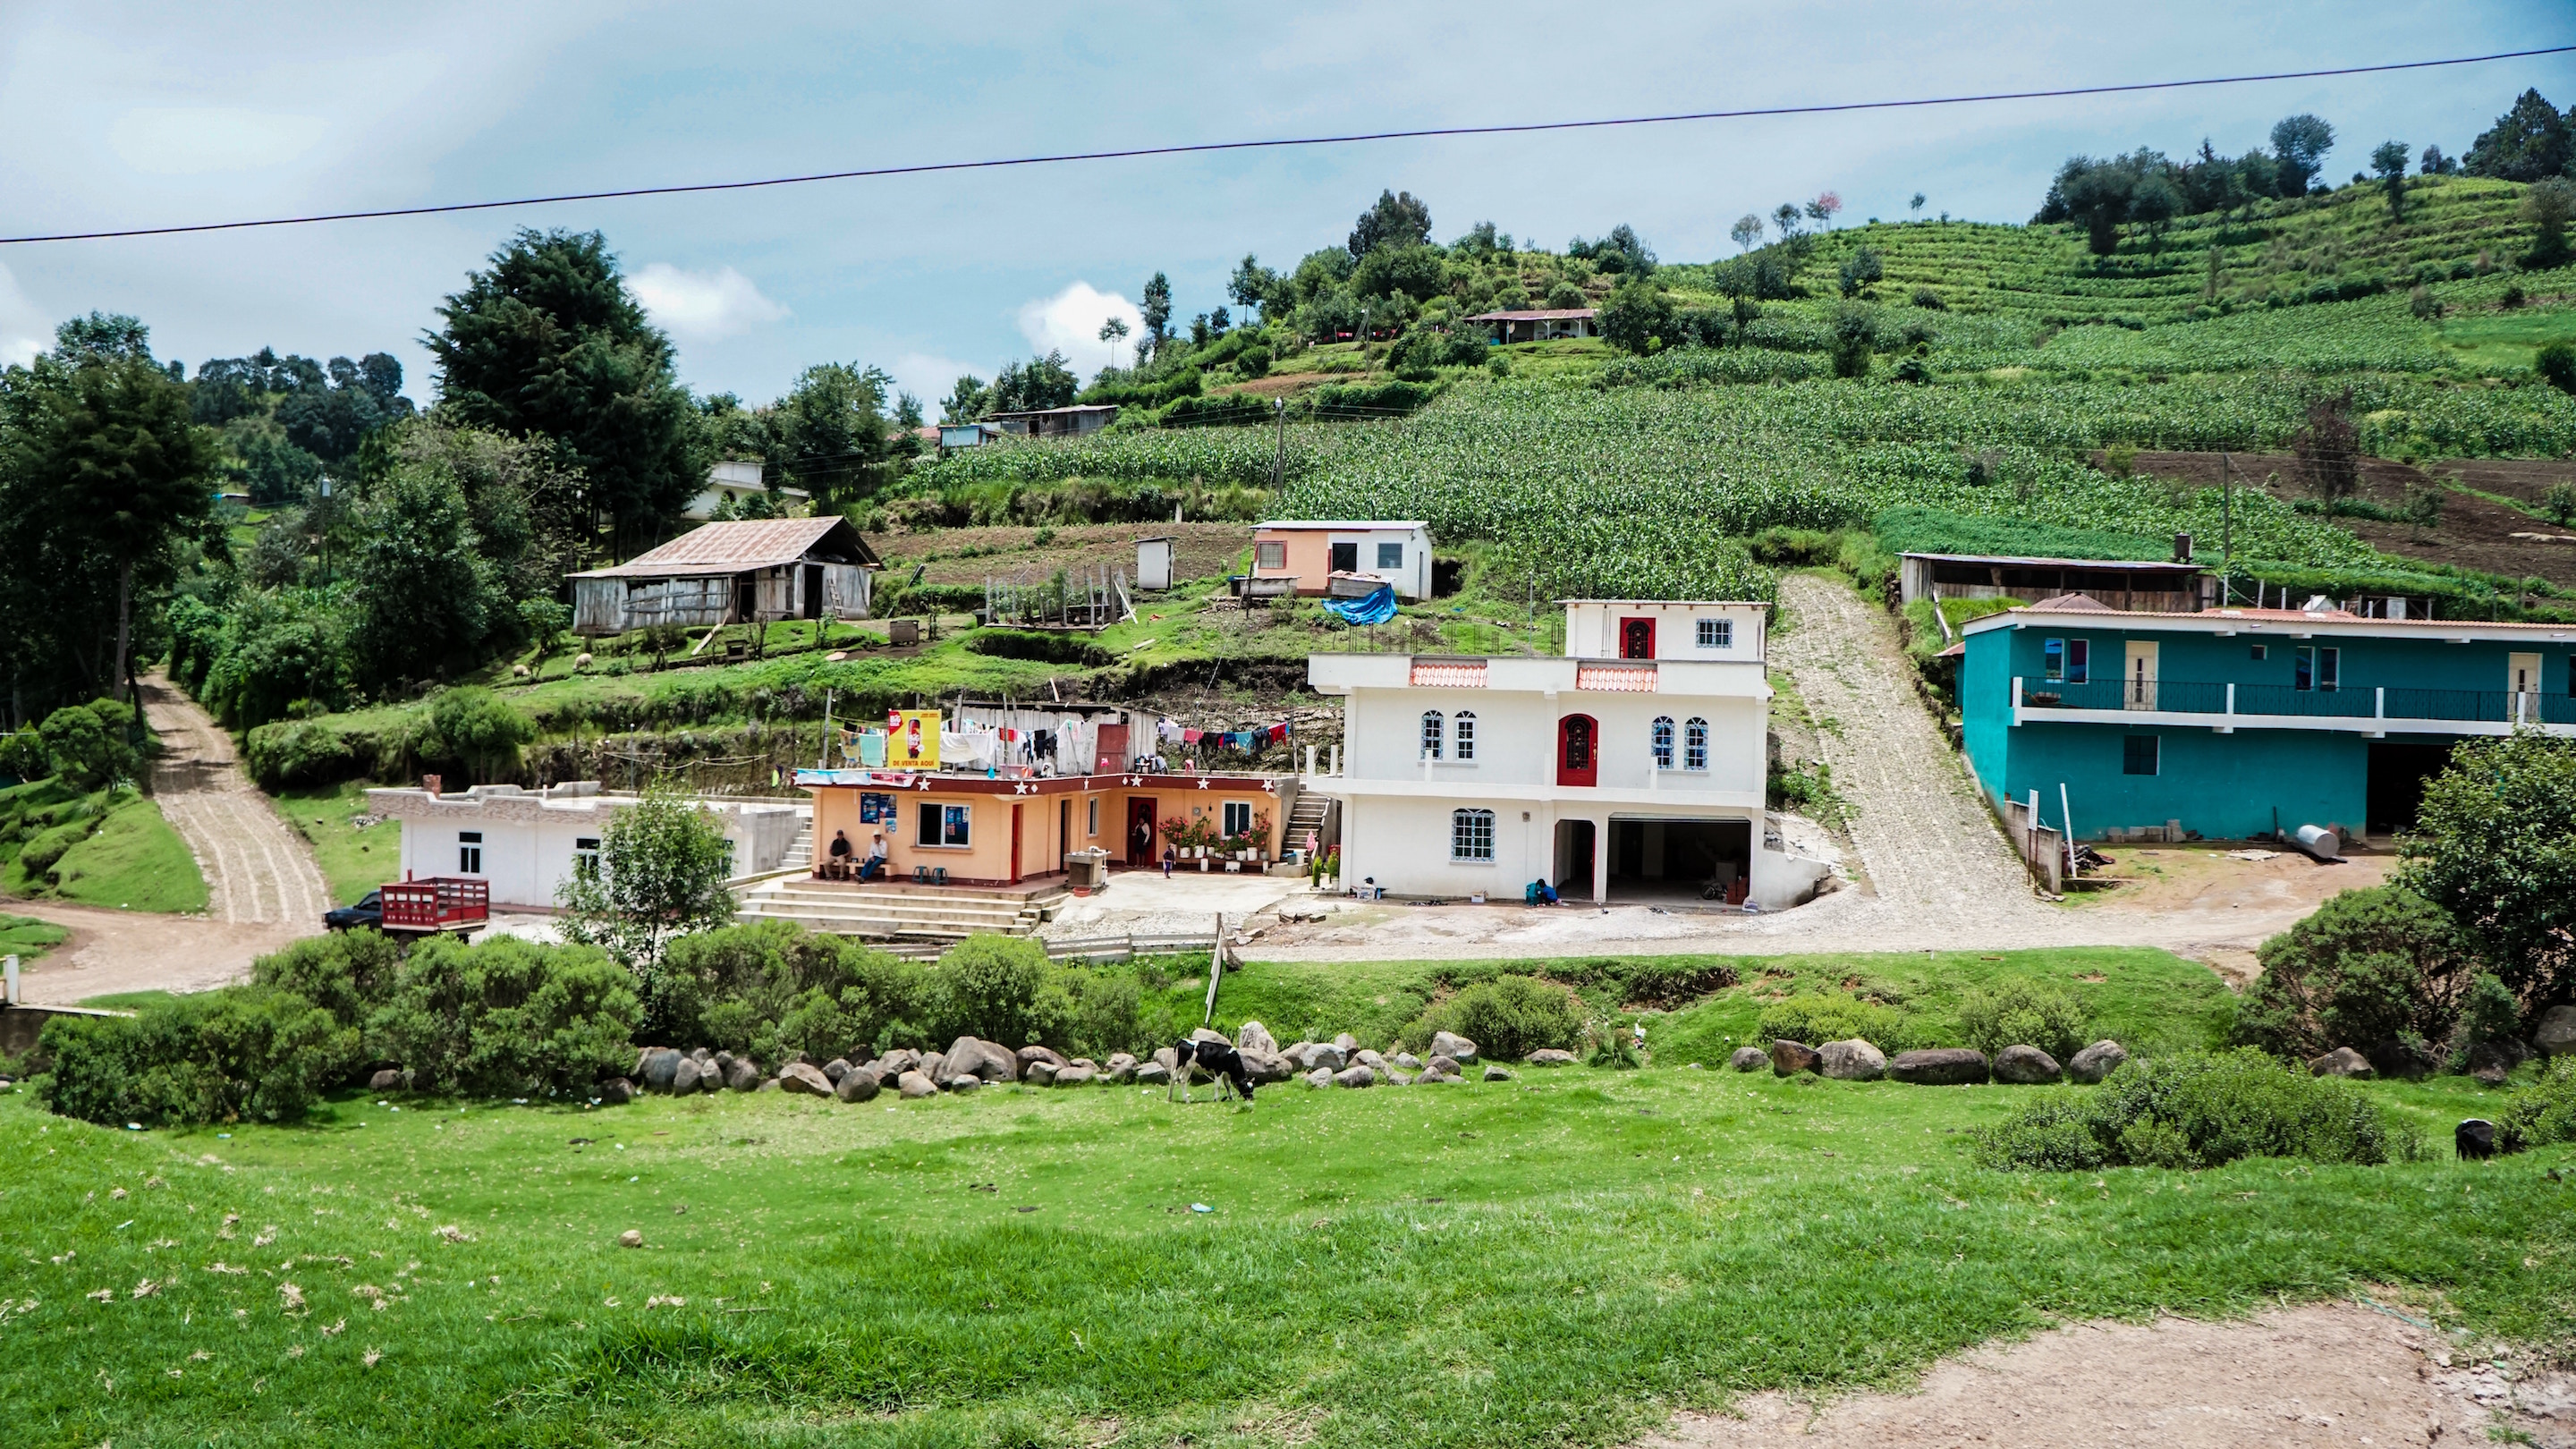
{"x": 1463, "y": 732}
{"x": 1663, "y": 740}
{"x": 1431, "y": 734}
{"x": 1471, "y": 835}
{"x": 1695, "y": 745}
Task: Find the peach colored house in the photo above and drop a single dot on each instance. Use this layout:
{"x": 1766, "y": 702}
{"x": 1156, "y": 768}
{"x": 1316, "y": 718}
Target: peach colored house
{"x": 1311, "y": 552}
{"x": 983, "y": 830}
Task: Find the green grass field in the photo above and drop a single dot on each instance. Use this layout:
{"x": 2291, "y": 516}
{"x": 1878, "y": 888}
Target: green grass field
{"x": 354, "y": 861}
{"x": 28, "y": 938}
{"x": 129, "y": 858}
{"x": 1559, "y": 1259}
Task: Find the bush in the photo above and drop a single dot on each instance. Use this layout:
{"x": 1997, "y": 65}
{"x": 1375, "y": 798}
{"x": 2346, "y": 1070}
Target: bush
{"x": 1038, "y": 648}
{"x": 2024, "y": 1013}
{"x": 2544, "y": 1112}
{"x": 1091, "y": 1013}
{"x": 302, "y": 752}
{"x": 1832, "y": 1016}
{"x": 1252, "y": 361}
{"x": 2197, "y": 1110}
{"x": 476, "y": 729}
{"x": 988, "y": 987}
{"x": 91, "y": 744}
{"x": 508, "y": 1017}
{"x": 349, "y": 974}
{"x": 2367, "y": 968}
{"x": 772, "y": 991}
{"x": 23, "y": 757}
{"x": 2556, "y": 365}
{"x": 244, "y": 1052}
{"x": 1507, "y": 1018}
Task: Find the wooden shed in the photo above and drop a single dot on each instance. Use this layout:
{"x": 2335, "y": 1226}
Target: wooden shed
{"x": 732, "y": 573}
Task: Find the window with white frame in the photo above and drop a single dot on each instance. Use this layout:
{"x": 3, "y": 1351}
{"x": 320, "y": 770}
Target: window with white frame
{"x": 1717, "y": 633}
{"x": 1238, "y": 817}
{"x": 1695, "y": 745}
{"x": 469, "y": 852}
{"x": 948, "y": 826}
{"x": 1433, "y": 729}
{"x": 1270, "y": 555}
{"x": 1663, "y": 741}
{"x": 1390, "y": 556}
{"x": 1471, "y": 836}
{"x": 585, "y": 856}
{"x": 1462, "y": 733}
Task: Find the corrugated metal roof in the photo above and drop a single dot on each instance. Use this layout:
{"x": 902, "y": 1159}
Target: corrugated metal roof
{"x": 1349, "y": 525}
{"x": 2072, "y": 563}
{"x": 723, "y": 548}
{"x": 1549, "y": 314}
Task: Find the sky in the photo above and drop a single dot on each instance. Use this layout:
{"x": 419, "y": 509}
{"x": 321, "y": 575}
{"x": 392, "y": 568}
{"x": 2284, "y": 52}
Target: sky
{"x": 147, "y": 114}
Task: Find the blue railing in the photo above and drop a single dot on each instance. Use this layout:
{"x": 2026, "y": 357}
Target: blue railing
{"x": 2180, "y": 696}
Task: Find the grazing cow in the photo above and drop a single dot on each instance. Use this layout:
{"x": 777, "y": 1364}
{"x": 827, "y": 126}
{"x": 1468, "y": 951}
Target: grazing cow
{"x": 1218, "y": 1060}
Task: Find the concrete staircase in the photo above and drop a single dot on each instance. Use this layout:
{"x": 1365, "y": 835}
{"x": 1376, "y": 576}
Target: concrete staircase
{"x": 930, "y": 913}
{"x": 1309, "y": 813}
{"x": 800, "y": 855}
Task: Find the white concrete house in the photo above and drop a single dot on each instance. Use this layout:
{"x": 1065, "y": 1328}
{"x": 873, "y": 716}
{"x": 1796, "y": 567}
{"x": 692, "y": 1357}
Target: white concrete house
{"x": 732, "y": 482}
{"x": 1629, "y": 769}
{"x": 529, "y": 842}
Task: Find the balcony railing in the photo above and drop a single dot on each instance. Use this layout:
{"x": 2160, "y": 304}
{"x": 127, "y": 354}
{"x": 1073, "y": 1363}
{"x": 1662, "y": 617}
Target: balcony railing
{"x": 2178, "y": 696}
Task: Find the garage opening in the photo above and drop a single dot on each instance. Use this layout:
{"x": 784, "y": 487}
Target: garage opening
{"x": 1574, "y": 847}
{"x": 1681, "y": 860}
{"x": 2398, "y": 770}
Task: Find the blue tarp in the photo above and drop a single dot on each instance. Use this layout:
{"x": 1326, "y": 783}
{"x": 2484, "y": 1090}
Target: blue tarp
{"x": 1374, "y": 608}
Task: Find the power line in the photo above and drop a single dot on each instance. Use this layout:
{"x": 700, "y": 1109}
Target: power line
{"x": 1275, "y": 143}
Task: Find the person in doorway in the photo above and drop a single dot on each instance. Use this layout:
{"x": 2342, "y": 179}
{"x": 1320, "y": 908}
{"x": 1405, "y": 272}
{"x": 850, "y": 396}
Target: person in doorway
{"x": 875, "y": 866}
{"x": 1170, "y": 856}
{"x": 840, "y": 854}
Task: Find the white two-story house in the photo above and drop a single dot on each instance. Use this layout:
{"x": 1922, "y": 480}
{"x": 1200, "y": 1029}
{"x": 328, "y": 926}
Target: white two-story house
{"x": 1629, "y": 769}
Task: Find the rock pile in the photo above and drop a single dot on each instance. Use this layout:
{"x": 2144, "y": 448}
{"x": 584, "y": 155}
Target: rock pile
{"x": 1860, "y": 1061}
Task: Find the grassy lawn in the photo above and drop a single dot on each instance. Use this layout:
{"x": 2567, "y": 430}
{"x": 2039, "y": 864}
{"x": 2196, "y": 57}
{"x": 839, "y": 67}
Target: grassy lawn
{"x": 28, "y": 938}
{"x": 355, "y": 861}
{"x": 2501, "y": 343}
{"x": 1558, "y": 1259}
{"x": 132, "y": 860}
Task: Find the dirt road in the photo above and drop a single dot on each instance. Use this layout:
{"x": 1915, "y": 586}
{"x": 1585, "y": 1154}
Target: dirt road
{"x": 264, "y": 888}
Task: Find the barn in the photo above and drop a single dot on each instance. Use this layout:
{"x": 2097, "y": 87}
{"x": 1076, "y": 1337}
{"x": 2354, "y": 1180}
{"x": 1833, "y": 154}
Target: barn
{"x": 732, "y": 573}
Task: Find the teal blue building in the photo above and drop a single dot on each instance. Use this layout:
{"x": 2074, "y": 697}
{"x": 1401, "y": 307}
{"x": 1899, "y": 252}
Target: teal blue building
{"x": 2240, "y": 722}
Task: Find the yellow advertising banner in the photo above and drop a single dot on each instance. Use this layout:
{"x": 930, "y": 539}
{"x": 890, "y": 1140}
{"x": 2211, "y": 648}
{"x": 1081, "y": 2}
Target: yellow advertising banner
{"x": 912, "y": 739}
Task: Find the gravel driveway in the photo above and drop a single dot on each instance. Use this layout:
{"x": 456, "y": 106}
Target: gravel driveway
{"x": 258, "y": 870}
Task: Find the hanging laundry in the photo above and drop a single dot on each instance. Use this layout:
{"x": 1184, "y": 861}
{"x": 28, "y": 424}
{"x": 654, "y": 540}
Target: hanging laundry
{"x": 1278, "y": 732}
{"x": 1192, "y": 736}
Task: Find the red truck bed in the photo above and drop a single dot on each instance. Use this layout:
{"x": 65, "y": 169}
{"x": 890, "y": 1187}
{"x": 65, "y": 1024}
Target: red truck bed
{"x": 440, "y": 903}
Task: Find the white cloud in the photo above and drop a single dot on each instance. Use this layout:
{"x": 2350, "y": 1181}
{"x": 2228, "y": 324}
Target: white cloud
{"x": 23, "y": 329}
{"x": 195, "y": 140}
{"x": 1069, "y": 322}
{"x": 929, "y": 378}
{"x": 701, "y": 305}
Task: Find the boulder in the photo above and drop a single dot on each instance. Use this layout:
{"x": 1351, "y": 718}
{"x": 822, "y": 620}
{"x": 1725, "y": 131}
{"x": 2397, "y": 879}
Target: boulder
{"x": 1168, "y": 1059}
{"x": 1432, "y": 1078}
{"x": 2556, "y": 1036}
{"x": 657, "y": 1067}
{"x": 1073, "y": 1075}
{"x": 1550, "y": 1057}
{"x": 1347, "y": 1042}
{"x": 1369, "y": 1058}
{"x": 701, "y": 1056}
{"x": 1208, "y": 1034}
{"x": 1394, "y": 1078}
{"x": 1153, "y": 1074}
{"x": 1789, "y": 1058}
{"x": 858, "y": 1084}
{"x": 2493, "y": 1061}
{"x": 1122, "y": 1067}
{"x": 2097, "y": 1061}
{"x": 2026, "y": 1066}
{"x": 1317, "y": 1078}
{"x": 684, "y": 1077}
{"x": 804, "y": 1077}
{"x": 913, "y": 1084}
{"x": 1266, "y": 1067}
{"x": 1354, "y": 1076}
{"x": 2342, "y": 1062}
{"x": 836, "y": 1068}
{"x": 1749, "y": 1059}
{"x": 1406, "y": 1060}
{"x": 2406, "y": 1061}
{"x": 1325, "y": 1055}
{"x": 897, "y": 1062}
{"x": 1496, "y": 1074}
{"x": 1030, "y": 1055}
{"x": 1441, "y": 1065}
{"x": 963, "y": 1082}
{"x": 1453, "y": 1046}
{"x": 987, "y": 1061}
{"x": 2474, "y": 1140}
{"x": 617, "y": 1091}
{"x": 388, "y": 1080}
{"x": 1253, "y": 1036}
{"x": 723, "y": 1060}
{"x": 1851, "y": 1061}
{"x": 743, "y": 1075}
{"x": 1940, "y": 1066}
{"x": 934, "y": 1066}
{"x": 1040, "y": 1073}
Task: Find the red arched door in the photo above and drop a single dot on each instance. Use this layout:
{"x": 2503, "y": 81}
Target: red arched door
{"x": 1578, "y": 750}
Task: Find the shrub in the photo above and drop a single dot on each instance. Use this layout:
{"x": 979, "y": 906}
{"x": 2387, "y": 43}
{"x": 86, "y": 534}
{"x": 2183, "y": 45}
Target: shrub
{"x": 477, "y": 729}
{"x": 1507, "y": 1018}
{"x": 2366, "y": 968}
{"x": 90, "y": 744}
{"x": 1252, "y": 361}
{"x": 1832, "y": 1016}
{"x": 349, "y": 974}
{"x": 2197, "y": 1110}
{"x": 302, "y": 752}
{"x": 23, "y": 757}
{"x": 508, "y": 1017}
{"x": 219, "y": 1056}
{"x": 988, "y": 987}
{"x": 1090, "y": 1013}
{"x": 2543, "y": 1112}
{"x": 1037, "y": 647}
{"x": 2024, "y": 1013}
{"x": 771, "y": 991}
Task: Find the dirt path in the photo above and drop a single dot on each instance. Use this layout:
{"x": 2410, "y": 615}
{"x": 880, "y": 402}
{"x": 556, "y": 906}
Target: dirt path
{"x": 2338, "y": 1374}
{"x": 258, "y": 870}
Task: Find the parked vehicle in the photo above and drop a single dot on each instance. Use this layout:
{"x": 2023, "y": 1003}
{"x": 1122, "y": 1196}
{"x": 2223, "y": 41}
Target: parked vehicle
{"x": 436, "y": 906}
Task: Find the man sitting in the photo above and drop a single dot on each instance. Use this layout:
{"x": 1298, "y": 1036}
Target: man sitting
{"x": 874, "y": 867}
{"x": 838, "y": 868}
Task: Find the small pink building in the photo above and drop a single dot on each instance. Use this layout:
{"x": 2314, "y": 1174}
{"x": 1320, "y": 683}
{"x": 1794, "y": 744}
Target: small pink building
{"x": 1311, "y": 552}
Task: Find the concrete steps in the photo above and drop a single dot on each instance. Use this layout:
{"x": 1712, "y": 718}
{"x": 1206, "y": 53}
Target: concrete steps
{"x": 921, "y": 912}
{"x": 1308, "y": 814}
{"x": 800, "y": 855}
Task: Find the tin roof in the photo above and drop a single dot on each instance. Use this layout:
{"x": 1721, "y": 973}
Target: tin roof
{"x": 2137, "y": 565}
{"x": 725, "y": 548}
{"x": 1350, "y": 525}
{"x": 1545, "y": 314}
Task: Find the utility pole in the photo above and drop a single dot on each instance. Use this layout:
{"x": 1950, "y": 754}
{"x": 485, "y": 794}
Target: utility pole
{"x": 1279, "y": 461}
{"x": 2226, "y": 531}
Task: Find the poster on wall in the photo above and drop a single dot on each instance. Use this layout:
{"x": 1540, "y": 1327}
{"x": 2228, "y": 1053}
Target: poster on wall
{"x": 912, "y": 739}
{"x": 875, "y": 808}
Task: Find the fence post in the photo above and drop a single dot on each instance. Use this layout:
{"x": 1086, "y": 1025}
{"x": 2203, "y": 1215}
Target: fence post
{"x": 12, "y": 982}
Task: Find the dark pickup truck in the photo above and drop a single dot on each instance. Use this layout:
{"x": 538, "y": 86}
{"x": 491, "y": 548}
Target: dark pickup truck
{"x": 460, "y": 905}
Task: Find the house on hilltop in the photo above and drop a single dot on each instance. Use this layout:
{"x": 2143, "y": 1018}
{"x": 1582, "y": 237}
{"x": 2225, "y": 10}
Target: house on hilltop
{"x": 732, "y": 482}
{"x": 732, "y": 573}
{"x": 1304, "y": 555}
{"x": 2133, "y": 586}
{"x": 1543, "y": 325}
